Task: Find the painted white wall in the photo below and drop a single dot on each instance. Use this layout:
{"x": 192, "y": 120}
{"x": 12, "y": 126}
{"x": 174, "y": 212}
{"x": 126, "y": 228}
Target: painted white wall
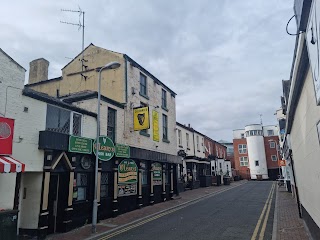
{"x": 237, "y": 133}
{"x": 227, "y": 168}
{"x": 188, "y": 150}
{"x": 30, "y": 205}
{"x": 256, "y": 152}
{"x": 306, "y": 150}
{"x": 7, "y": 188}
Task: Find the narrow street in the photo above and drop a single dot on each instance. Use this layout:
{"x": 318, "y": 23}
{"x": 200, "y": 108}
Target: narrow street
{"x": 244, "y": 212}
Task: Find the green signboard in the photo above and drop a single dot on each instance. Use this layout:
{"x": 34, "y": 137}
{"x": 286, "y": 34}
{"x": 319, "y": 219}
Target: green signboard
{"x": 157, "y": 173}
{"x": 122, "y": 151}
{"x": 80, "y": 145}
{"x": 127, "y": 172}
{"x": 106, "y": 148}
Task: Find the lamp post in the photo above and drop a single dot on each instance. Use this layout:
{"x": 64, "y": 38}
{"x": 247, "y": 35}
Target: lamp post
{"x": 277, "y": 149}
{"x": 111, "y": 65}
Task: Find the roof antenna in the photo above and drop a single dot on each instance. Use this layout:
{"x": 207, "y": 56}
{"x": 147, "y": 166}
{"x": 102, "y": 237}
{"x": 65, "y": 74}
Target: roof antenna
{"x": 260, "y": 119}
{"x": 80, "y": 25}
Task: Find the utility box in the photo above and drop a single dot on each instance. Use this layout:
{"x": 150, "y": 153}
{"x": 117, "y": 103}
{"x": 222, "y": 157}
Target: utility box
{"x": 8, "y": 224}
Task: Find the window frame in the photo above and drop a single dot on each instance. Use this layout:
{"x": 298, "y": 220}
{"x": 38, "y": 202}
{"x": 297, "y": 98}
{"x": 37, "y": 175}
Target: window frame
{"x": 179, "y": 137}
{"x": 270, "y": 131}
{"x": 187, "y": 139}
{"x": 104, "y": 184}
{"x": 165, "y": 127}
{"x": 276, "y": 158}
{"x": 256, "y": 163}
{"x": 143, "y": 86}
{"x": 198, "y": 147}
{"x": 79, "y": 185}
{"x": 273, "y": 144}
{"x": 242, "y": 149}
{"x": 113, "y": 138}
{"x": 242, "y": 162}
{"x": 164, "y": 99}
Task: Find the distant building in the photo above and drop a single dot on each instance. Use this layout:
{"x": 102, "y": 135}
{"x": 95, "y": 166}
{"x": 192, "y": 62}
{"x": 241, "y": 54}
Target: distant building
{"x": 255, "y": 151}
{"x": 230, "y": 151}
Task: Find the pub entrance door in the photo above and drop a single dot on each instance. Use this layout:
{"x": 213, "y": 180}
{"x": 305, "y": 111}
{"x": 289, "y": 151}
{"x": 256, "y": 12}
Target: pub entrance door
{"x": 57, "y": 201}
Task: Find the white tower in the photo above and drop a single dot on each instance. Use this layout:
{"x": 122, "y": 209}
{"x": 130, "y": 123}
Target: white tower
{"x": 256, "y": 152}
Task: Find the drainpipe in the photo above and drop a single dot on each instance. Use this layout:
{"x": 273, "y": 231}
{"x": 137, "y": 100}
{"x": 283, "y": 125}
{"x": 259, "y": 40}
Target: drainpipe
{"x": 295, "y": 184}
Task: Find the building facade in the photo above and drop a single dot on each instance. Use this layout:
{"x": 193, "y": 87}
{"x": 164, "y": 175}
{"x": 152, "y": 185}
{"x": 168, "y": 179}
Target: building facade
{"x": 255, "y": 152}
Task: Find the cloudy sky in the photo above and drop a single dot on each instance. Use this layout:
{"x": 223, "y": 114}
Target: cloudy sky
{"x": 224, "y": 58}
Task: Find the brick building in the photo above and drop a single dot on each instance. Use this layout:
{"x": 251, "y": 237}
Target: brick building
{"x": 255, "y": 152}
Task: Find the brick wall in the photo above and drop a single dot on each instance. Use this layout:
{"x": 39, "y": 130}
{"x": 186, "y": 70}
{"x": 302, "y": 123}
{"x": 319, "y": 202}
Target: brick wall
{"x": 271, "y": 151}
{"x": 243, "y": 171}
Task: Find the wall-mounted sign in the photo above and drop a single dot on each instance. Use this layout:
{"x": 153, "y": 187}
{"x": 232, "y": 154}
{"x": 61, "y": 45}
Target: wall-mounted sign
{"x": 127, "y": 190}
{"x": 282, "y": 163}
{"x": 80, "y": 145}
{"x": 122, "y": 151}
{"x": 313, "y": 44}
{"x": 157, "y": 173}
{"x": 6, "y": 135}
{"x": 155, "y": 125}
{"x": 85, "y": 162}
{"x": 106, "y": 148}
{"x": 127, "y": 172}
{"x": 127, "y": 177}
{"x": 141, "y": 118}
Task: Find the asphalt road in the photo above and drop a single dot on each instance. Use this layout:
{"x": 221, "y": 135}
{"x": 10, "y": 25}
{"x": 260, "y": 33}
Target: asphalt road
{"x": 233, "y": 214}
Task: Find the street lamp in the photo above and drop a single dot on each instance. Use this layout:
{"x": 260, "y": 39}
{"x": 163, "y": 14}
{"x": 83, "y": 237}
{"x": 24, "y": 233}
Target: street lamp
{"x": 278, "y": 149}
{"x": 111, "y": 65}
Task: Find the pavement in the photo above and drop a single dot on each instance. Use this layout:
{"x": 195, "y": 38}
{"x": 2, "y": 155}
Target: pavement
{"x": 288, "y": 224}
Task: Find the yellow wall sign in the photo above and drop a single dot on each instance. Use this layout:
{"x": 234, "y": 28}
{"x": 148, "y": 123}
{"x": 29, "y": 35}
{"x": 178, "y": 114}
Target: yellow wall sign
{"x": 141, "y": 118}
{"x": 155, "y": 125}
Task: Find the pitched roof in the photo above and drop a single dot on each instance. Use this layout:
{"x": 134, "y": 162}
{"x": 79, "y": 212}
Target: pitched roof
{"x": 12, "y": 59}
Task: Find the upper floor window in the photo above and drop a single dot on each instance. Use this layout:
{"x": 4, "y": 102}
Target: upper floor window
{"x": 244, "y": 161}
{"x": 143, "y": 85}
{"x": 272, "y": 144}
{"x": 187, "y": 138}
{"x": 256, "y": 163}
{"x": 164, "y": 98}
{"x": 63, "y": 121}
{"x": 111, "y": 127}
{"x": 179, "y": 137}
{"x": 270, "y": 133}
{"x": 164, "y": 127}
{"x": 242, "y": 135}
{"x": 274, "y": 158}
{"x": 242, "y": 148}
{"x": 198, "y": 148}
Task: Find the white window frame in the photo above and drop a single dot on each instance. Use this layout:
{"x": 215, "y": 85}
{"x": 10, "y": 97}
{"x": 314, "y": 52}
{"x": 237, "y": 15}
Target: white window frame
{"x": 242, "y": 149}
{"x": 179, "y": 137}
{"x": 242, "y": 161}
{"x": 187, "y": 137}
{"x": 198, "y": 147}
{"x": 270, "y": 134}
{"x": 272, "y": 144}
{"x": 242, "y": 135}
{"x": 274, "y": 157}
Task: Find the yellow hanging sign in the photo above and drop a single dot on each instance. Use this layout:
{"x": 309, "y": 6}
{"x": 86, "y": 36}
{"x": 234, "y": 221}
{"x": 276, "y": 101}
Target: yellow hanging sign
{"x": 155, "y": 125}
{"x": 141, "y": 118}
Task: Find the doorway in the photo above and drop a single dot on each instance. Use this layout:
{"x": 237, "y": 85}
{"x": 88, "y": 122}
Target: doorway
{"x": 57, "y": 201}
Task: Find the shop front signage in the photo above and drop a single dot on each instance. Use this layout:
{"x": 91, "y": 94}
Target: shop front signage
{"x": 106, "y": 148}
{"x": 157, "y": 173}
{"x": 6, "y": 135}
{"x": 141, "y": 118}
{"x": 122, "y": 151}
{"x": 127, "y": 177}
{"x": 155, "y": 125}
{"x": 80, "y": 145}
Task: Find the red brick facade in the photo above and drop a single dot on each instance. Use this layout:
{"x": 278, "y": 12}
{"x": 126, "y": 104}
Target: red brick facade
{"x": 217, "y": 149}
{"x": 271, "y": 151}
{"x": 243, "y": 171}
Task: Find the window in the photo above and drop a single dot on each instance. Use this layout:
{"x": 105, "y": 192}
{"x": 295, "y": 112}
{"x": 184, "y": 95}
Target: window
{"x": 111, "y": 129}
{"x": 104, "y": 185}
{"x": 256, "y": 163}
{"x": 272, "y": 144}
{"x": 242, "y": 148}
{"x": 167, "y": 179}
{"x": 187, "y": 137}
{"x": 270, "y": 133}
{"x": 274, "y": 157}
{"x": 143, "y": 85}
{"x": 179, "y": 137}
{"x": 220, "y": 165}
{"x": 144, "y": 180}
{"x": 203, "y": 148}
{"x": 164, "y": 99}
{"x": 243, "y": 161}
{"x": 198, "y": 143}
{"x": 164, "y": 127}
{"x": 59, "y": 120}
{"x": 81, "y": 187}
{"x": 242, "y": 135}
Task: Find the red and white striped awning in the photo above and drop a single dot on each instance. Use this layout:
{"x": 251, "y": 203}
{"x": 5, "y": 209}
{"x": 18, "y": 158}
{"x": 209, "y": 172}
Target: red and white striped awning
{"x": 9, "y": 164}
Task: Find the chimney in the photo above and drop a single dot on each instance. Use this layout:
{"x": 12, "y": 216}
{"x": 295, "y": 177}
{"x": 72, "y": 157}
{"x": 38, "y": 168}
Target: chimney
{"x": 38, "y": 70}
